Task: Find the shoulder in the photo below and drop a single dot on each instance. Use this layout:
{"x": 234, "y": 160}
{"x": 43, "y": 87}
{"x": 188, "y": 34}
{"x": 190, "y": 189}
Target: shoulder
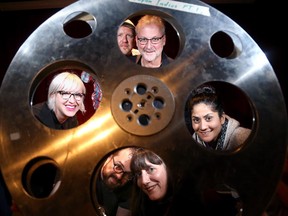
{"x": 38, "y": 108}
{"x": 138, "y": 57}
{"x": 234, "y": 126}
{"x": 237, "y": 135}
{"x": 133, "y": 58}
{"x": 71, "y": 122}
{"x": 240, "y": 135}
{"x": 166, "y": 59}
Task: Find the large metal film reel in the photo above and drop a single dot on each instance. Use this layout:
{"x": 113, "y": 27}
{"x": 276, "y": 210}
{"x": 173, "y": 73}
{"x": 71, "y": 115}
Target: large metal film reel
{"x": 210, "y": 47}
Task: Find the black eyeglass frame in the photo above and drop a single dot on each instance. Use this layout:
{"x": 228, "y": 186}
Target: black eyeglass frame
{"x": 154, "y": 40}
{"x": 125, "y": 174}
{"x": 77, "y": 96}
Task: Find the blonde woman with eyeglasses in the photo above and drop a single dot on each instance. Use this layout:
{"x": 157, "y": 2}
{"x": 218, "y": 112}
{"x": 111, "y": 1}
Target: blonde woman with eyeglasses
{"x": 66, "y": 95}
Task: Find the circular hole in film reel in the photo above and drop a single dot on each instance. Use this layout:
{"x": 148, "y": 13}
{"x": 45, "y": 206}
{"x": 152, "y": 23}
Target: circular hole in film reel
{"x": 205, "y": 110}
{"x": 46, "y": 89}
{"x": 41, "y": 177}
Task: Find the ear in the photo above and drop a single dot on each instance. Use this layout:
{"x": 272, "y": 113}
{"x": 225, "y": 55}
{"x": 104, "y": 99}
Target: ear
{"x": 164, "y": 40}
{"x": 222, "y": 118}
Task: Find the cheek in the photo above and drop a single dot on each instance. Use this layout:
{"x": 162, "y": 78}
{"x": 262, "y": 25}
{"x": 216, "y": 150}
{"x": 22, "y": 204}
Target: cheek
{"x": 216, "y": 127}
{"x": 195, "y": 126}
{"x": 139, "y": 182}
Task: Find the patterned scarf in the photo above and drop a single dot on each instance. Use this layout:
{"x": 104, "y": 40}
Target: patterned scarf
{"x": 220, "y": 141}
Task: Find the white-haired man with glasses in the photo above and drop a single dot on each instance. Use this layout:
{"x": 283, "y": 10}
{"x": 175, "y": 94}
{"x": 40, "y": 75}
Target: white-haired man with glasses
{"x": 150, "y": 41}
{"x": 114, "y": 183}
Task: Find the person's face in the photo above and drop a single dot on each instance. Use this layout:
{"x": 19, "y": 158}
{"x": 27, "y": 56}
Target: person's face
{"x": 149, "y": 51}
{"x": 126, "y": 40}
{"x": 116, "y": 169}
{"x": 66, "y": 106}
{"x": 206, "y": 122}
{"x": 153, "y": 181}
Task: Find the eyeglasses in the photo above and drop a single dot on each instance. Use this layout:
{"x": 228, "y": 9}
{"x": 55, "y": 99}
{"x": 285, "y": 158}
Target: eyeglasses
{"x": 154, "y": 40}
{"x": 119, "y": 169}
{"x": 66, "y": 95}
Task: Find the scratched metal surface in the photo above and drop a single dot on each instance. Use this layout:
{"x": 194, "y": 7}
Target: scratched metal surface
{"x": 30, "y": 150}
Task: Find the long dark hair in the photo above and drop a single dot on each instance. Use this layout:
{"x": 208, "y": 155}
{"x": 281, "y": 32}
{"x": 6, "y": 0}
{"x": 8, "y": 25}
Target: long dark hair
{"x": 140, "y": 202}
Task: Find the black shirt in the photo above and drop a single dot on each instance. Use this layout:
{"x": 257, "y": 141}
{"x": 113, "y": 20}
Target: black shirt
{"x": 48, "y": 117}
{"x": 111, "y": 199}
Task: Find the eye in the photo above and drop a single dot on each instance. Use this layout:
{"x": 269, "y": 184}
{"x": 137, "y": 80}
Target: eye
{"x": 118, "y": 168}
{"x": 79, "y": 95}
{"x": 155, "y": 40}
{"x": 66, "y": 94}
{"x": 143, "y": 40}
{"x": 130, "y": 36}
{"x": 209, "y": 118}
{"x": 150, "y": 170}
{"x": 196, "y": 120}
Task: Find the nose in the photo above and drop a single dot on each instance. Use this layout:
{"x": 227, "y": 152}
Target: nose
{"x": 72, "y": 98}
{"x": 149, "y": 44}
{"x": 125, "y": 38}
{"x": 202, "y": 125}
{"x": 145, "y": 178}
{"x": 119, "y": 175}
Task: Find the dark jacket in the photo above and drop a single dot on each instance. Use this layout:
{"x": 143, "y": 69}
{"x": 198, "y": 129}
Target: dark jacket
{"x": 48, "y": 117}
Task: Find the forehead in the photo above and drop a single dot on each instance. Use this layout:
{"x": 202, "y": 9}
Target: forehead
{"x": 202, "y": 109}
{"x": 71, "y": 88}
{"x": 124, "y": 155}
{"x": 125, "y": 29}
{"x": 150, "y": 30}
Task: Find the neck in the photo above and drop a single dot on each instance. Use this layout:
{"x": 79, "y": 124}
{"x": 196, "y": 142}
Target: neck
{"x": 151, "y": 64}
{"x": 61, "y": 119}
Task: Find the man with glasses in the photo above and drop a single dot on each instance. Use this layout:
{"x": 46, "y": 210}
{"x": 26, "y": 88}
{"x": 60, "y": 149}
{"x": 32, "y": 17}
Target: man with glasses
{"x": 150, "y": 41}
{"x": 66, "y": 95}
{"x": 114, "y": 183}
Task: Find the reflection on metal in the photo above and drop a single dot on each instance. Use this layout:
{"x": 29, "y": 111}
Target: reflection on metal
{"x": 72, "y": 156}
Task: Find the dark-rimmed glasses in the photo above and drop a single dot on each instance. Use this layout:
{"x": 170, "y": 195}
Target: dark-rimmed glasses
{"x": 66, "y": 95}
{"x": 154, "y": 40}
{"x": 119, "y": 169}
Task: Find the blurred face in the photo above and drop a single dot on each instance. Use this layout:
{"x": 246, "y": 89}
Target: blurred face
{"x": 153, "y": 181}
{"x": 206, "y": 122}
{"x": 150, "y": 51}
{"x": 126, "y": 40}
{"x": 67, "y": 103}
{"x": 116, "y": 169}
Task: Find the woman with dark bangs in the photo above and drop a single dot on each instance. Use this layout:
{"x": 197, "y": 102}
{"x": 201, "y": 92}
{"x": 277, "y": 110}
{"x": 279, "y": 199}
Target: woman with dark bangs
{"x": 152, "y": 192}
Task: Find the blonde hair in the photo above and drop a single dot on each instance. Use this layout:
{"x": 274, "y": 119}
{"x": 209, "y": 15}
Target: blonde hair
{"x": 150, "y": 19}
{"x": 65, "y": 81}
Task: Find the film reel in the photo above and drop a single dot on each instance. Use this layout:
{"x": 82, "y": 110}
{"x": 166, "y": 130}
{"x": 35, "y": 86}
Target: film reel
{"x": 29, "y": 149}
